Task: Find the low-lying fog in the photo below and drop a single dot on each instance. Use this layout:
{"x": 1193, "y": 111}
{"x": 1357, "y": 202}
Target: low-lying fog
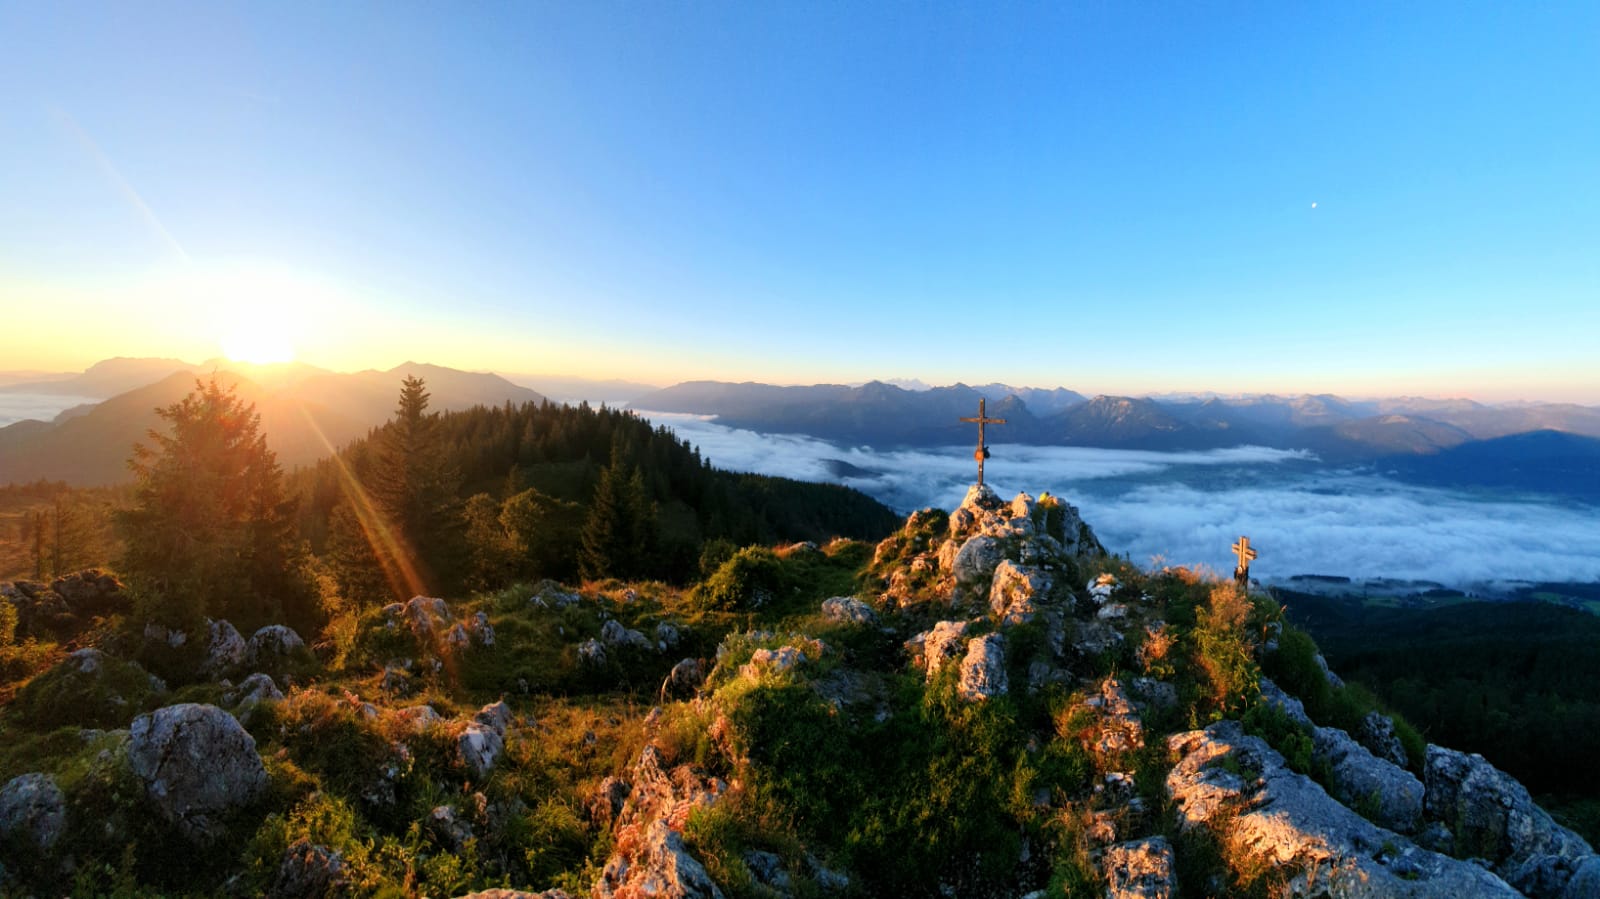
{"x": 1188, "y": 508}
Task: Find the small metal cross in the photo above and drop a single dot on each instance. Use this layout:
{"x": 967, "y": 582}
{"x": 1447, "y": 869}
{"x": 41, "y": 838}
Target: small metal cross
{"x": 983, "y": 450}
{"x": 1245, "y": 552}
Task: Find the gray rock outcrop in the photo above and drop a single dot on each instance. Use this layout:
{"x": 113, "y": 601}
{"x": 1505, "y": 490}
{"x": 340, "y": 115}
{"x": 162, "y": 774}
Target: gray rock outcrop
{"x": 197, "y": 765}
{"x": 1386, "y": 793}
{"x": 226, "y": 651}
{"x": 983, "y": 669}
{"x": 33, "y": 810}
{"x": 273, "y": 644}
{"x": 1238, "y": 789}
{"x": 1139, "y": 869}
{"x": 1492, "y": 817}
{"x": 848, "y": 609}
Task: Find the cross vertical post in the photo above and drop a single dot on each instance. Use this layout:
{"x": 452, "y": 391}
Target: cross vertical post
{"x": 982, "y": 452}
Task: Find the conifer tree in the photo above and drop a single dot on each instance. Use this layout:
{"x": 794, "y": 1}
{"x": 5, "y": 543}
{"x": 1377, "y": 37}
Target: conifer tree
{"x": 414, "y": 484}
{"x": 619, "y": 534}
{"x": 211, "y": 531}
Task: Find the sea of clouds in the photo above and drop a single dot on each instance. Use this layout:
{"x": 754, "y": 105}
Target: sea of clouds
{"x": 15, "y": 407}
{"x": 1187, "y": 508}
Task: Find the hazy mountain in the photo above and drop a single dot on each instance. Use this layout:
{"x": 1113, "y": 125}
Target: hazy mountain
{"x": 1441, "y": 437}
{"x": 873, "y": 413}
{"x": 106, "y": 378}
{"x": 1126, "y": 422}
{"x": 559, "y": 387}
{"x": 1540, "y": 461}
{"x": 306, "y": 412}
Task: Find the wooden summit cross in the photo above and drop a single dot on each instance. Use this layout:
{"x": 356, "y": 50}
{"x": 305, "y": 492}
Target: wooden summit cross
{"x": 1245, "y": 552}
{"x": 983, "y": 451}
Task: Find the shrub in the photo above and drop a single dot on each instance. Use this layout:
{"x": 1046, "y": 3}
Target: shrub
{"x": 749, "y": 579}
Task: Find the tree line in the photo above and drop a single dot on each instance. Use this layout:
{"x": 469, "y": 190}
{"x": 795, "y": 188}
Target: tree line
{"x": 438, "y": 504}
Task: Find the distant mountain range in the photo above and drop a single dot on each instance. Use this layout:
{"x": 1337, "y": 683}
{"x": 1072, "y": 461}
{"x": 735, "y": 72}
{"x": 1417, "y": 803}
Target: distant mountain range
{"x": 1545, "y": 447}
{"x": 306, "y": 412}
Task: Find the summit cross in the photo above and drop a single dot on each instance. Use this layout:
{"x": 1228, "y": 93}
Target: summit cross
{"x": 983, "y": 450}
{"x": 1245, "y": 552}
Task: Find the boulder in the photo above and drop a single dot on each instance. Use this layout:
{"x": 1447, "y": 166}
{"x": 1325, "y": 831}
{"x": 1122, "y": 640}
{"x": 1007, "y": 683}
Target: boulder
{"x": 309, "y": 871}
{"x": 502, "y": 893}
{"x": 976, "y": 561}
{"x": 776, "y": 661}
{"x": 768, "y": 870}
{"x": 1294, "y": 709}
{"x": 33, "y": 811}
{"x": 273, "y": 644}
{"x": 480, "y": 628}
{"x": 226, "y": 650}
{"x": 495, "y": 716}
{"x": 1386, "y": 793}
{"x": 418, "y": 718}
{"x": 91, "y": 592}
{"x": 451, "y": 829}
{"x": 668, "y": 636}
{"x": 1378, "y": 735}
{"x": 1101, "y": 588}
{"x": 1139, "y": 869}
{"x": 848, "y": 609}
{"x": 684, "y": 680}
{"x": 197, "y": 765}
{"x": 659, "y": 866}
{"x": 1016, "y": 591}
{"x": 1491, "y": 816}
{"x": 983, "y": 669}
{"x": 1239, "y": 792}
{"x": 592, "y": 653}
{"x": 251, "y": 693}
{"x": 1118, "y": 726}
{"x": 612, "y": 633}
{"x": 479, "y": 747}
{"x": 945, "y": 642}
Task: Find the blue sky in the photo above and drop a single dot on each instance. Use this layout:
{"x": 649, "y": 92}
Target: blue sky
{"x": 1111, "y": 197}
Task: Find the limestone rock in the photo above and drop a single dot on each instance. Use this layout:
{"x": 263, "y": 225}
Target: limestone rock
{"x": 1273, "y": 695}
{"x": 33, "y": 810}
{"x": 684, "y": 680}
{"x": 1016, "y": 591}
{"x": 450, "y": 827}
{"x": 983, "y": 670}
{"x": 592, "y": 652}
{"x": 225, "y": 649}
{"x": 481, "y": 630}
{"x": 976, "y": 561}
{"x": 197, "y": 764}
{"x": 309, "y": 871}
{"x": 668, "y": 636}
{"x": 1139, "y": 869}
{"x": 650, "y": 859}
{"x": 1119, "y": 728}
{"x": 612, "y": 633}
{"x": 661, "y": 866}
{"x": 848, "y": 609}
{"x": 1239, "y": 789}
{"x": 768, "y": 870}
{"x": 1492, "y": 817}
{"x": 1389, "y": 794}
{"x": 502, "y": 893}
{"x": 931, "y": 649}
{"x": 479, "y": 747}
{"x": 418, "y": 718}
{"x": 777, "y": 661}
{"x": 1378, "y": 735}
{"x": 496, "y": 716}
{"x": 273, "y": 643}
{"x": 1101, "y": 588}
{"x": 251, "y": 693}
{"x": 91, "y": 592}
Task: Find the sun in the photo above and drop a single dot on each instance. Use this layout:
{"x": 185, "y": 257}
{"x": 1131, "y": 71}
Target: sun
{"x": 258, "y": 340}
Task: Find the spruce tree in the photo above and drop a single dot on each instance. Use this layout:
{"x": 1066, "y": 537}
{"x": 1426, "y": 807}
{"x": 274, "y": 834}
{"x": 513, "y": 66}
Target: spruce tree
{"x": 211, "y": 531}
{"x": 619, "y": 533}
{"x": 414, "y": 484}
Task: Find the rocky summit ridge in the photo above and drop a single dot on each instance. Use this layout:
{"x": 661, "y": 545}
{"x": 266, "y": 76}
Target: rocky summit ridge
{"x": 985, "y": 703}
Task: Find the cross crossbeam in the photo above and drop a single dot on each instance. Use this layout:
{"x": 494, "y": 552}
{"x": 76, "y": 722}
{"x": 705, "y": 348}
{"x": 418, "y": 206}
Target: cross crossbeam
{"x": 982, "y": 452}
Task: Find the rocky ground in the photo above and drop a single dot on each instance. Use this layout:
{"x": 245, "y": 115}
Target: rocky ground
{"x": 985, "y": 704}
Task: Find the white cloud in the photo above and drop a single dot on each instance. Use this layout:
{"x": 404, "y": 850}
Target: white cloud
{"x": 1188, "y": 508}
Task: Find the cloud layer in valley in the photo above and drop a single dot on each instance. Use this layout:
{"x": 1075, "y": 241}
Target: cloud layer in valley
{"x": 15, "y": 407}
{"x": 1188, "y": 508}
